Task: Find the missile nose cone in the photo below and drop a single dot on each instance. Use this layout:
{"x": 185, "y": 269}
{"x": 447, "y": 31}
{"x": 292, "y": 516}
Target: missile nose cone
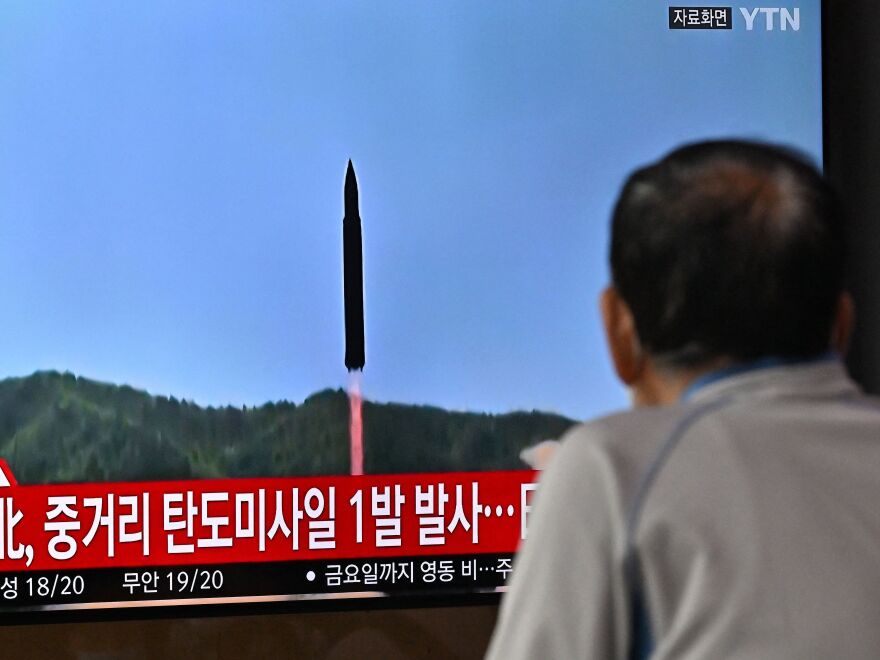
{"x": 351, "y": 192}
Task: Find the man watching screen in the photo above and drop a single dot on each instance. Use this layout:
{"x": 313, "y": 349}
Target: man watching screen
{"x": 734, "y": 512}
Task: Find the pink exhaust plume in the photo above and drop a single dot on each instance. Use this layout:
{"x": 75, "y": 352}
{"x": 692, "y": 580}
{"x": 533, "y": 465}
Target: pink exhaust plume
{"x": 355, "y": 425}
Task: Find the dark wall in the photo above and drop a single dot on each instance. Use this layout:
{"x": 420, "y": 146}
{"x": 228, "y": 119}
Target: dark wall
{"x": 852, "y": 148}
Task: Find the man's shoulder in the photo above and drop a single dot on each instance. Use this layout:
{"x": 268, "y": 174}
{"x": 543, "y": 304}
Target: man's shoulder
{"x": 634, "y": 434}
{"x": 619, "y": 447}
{"x": 623, "y": 448}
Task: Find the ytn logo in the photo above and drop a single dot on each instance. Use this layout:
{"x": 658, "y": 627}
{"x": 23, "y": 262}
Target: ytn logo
{"x": 773, "y": 16}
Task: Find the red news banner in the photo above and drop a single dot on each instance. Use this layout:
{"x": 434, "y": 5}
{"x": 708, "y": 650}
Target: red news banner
{"x": 101, "y": 534}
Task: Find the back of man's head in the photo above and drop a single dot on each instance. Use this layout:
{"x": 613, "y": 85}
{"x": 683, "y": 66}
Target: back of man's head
{"x": 728, "y": 250}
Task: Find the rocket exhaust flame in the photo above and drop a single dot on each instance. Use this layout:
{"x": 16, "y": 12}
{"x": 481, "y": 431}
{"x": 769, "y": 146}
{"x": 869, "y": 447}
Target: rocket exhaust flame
{"x": 355, "y": 424}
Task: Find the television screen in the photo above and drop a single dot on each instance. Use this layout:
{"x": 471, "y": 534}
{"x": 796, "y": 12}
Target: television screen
{"x": 290, "y": 292}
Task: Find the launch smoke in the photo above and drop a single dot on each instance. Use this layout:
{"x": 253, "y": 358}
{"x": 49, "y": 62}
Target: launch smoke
{"x": 355, "y": 424}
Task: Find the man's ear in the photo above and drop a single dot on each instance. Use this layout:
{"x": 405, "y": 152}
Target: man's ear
{"x": 844, "y": 320}
{"x": 623, "y": 340}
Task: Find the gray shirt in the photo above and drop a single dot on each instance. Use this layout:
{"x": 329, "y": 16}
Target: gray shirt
{"x": 746, "y": 520}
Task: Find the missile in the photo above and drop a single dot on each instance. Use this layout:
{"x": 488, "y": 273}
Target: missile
{"x": 353, "y": 275}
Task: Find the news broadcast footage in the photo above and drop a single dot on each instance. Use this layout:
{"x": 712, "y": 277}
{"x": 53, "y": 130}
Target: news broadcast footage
{"x": 290, "y": 293}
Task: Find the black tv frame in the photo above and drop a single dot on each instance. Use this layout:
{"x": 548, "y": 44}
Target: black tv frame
{"x": 850, "y": 109}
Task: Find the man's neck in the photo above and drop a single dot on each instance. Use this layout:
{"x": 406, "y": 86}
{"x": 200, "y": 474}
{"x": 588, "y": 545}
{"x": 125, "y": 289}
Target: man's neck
{"x": 659, "y": 386}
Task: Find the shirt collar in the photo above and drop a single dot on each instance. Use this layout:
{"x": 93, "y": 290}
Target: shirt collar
{"x": 768, "y": 362}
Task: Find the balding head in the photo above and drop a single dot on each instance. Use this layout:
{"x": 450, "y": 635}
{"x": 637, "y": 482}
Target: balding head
{"x": 728, "y": 250}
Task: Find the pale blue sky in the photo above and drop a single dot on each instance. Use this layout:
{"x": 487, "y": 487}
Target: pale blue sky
{"x": 171, "y": 185}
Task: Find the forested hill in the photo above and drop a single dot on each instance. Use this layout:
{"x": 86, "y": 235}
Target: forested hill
{"x": 59, "y": 427}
